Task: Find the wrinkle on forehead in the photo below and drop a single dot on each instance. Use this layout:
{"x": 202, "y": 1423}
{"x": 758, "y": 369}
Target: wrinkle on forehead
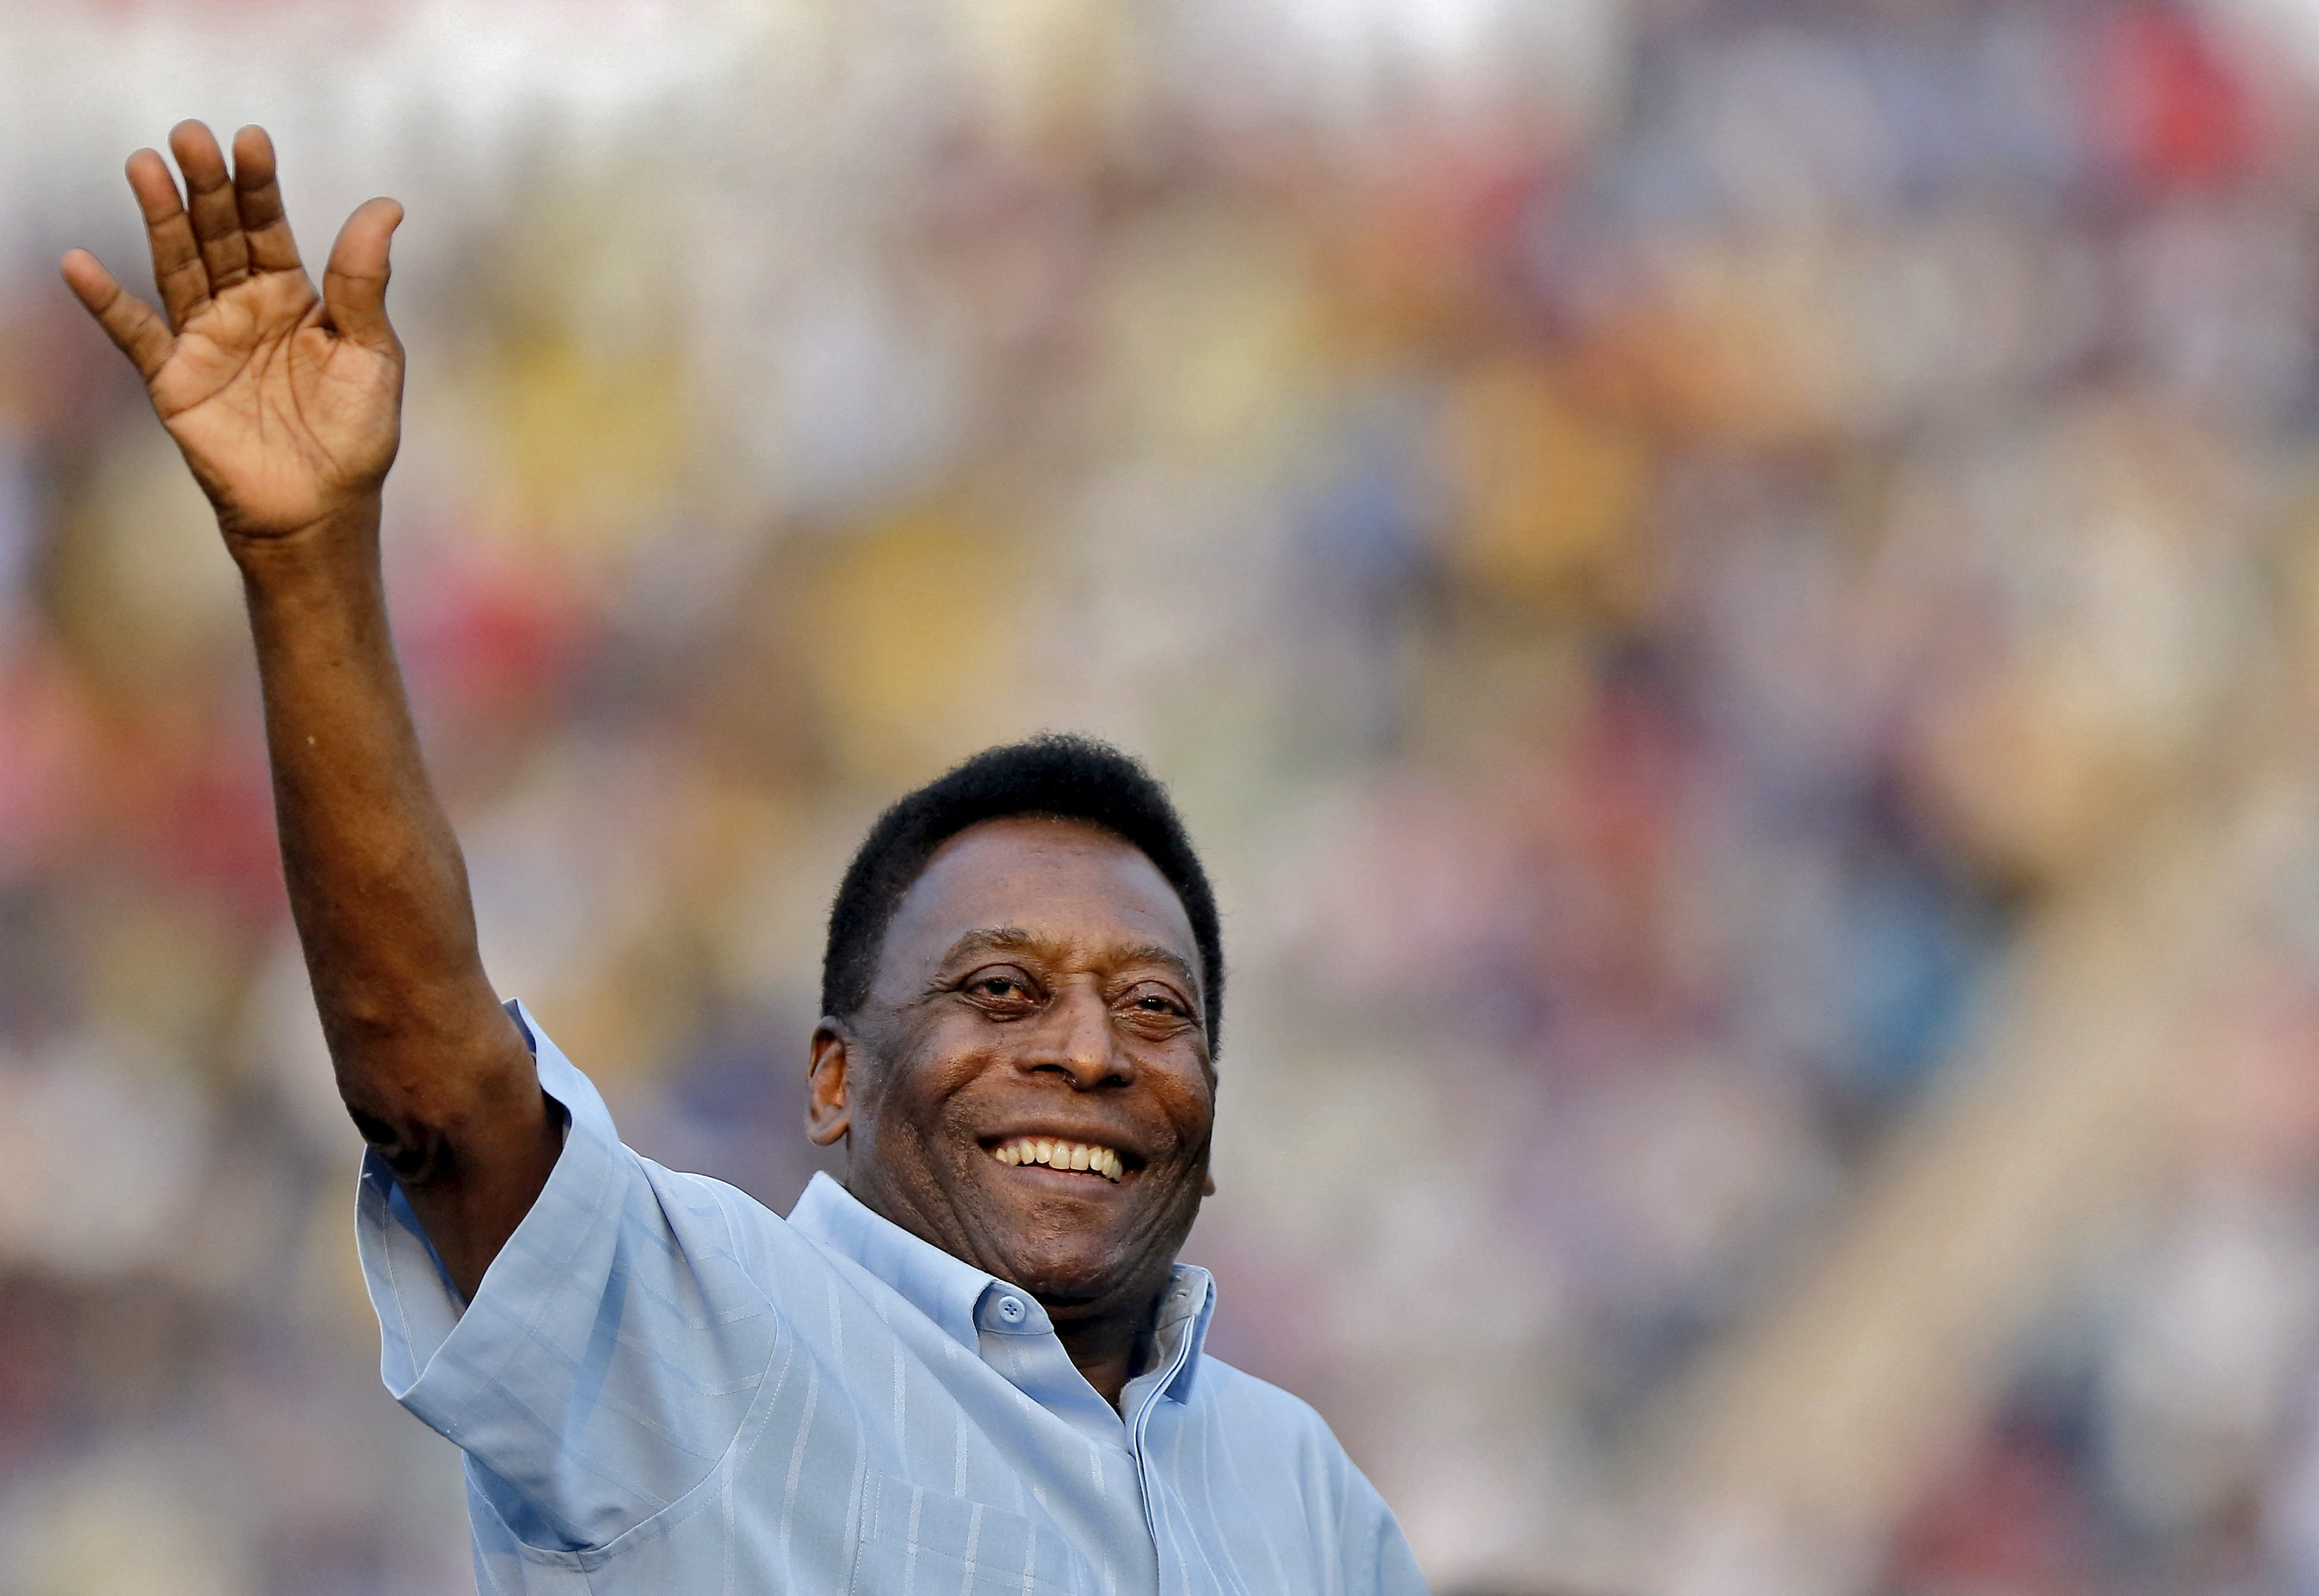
{"x": 1015, "y": 939}
{"x": 997, "y": 873}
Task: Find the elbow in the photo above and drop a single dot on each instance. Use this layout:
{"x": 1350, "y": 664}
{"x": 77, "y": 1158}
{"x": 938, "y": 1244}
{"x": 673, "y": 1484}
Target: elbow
{"x": 419, "y": 1099}
{"x": 417, "y": 1153}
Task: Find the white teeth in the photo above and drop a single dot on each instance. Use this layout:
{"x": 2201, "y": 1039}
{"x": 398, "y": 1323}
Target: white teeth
{"x": 1062, "y": 1155}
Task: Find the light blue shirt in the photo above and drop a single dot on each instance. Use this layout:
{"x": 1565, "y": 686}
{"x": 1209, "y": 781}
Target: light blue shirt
{"x": 662, "y": 1387}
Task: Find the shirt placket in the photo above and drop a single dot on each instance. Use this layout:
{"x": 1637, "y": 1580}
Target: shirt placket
{"x": 1172, "y": 1343}
{"x": 1019, "y": 1341}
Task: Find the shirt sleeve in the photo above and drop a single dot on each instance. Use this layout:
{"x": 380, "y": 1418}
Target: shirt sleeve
{"x": 610, "y": 1354}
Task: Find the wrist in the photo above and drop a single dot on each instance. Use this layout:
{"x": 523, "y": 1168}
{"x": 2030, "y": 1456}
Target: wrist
{"x": 344, "y": 536}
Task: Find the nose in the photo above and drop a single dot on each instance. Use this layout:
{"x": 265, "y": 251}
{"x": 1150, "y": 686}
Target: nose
{"x": 1075, "y": 1039}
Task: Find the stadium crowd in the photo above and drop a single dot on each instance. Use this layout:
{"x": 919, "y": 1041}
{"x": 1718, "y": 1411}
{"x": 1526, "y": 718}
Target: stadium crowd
{"x": 1665, "y": 550}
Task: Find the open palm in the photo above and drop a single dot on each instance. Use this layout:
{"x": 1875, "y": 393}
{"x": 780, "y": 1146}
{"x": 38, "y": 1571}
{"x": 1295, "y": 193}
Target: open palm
{"x": 287, "y": 402}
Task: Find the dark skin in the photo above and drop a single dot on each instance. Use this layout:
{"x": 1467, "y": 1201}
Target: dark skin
{"x": 287, "y": 402}
{"x": 1041, "y": 977}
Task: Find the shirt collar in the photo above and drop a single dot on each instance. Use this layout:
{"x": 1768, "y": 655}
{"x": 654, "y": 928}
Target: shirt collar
{"x": 949, "y": 1291}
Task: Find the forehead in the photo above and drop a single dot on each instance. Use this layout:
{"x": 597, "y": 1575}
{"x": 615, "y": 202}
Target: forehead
{"x": 1067, "y": 883}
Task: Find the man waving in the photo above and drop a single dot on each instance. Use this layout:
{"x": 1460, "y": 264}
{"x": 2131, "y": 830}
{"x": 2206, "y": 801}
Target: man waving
{"x": 975, "y": 1367}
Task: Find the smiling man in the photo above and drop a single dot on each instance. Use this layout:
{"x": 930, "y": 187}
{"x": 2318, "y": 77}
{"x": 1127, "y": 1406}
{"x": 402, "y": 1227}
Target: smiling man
{"x": 976, "y": 1367}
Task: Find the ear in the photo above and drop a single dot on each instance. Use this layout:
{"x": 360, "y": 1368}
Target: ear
{"x": 828, "y": 1109}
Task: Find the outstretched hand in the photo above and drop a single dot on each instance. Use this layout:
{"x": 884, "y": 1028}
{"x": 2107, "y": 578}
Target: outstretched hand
{"x": 287, "y": 402}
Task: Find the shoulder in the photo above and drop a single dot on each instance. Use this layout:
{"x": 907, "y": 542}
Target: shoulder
{"x": 1243, "y": 1397}
{"x": 1261, "y": 1416}
{"x": 709, "y": 1223}
{"x": 697, "y": 1202}
{"x": 1273, "y": 1435}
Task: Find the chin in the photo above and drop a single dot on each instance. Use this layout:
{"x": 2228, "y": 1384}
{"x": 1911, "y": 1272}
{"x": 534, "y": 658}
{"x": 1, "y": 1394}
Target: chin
{"x": 1069, "y": 1276}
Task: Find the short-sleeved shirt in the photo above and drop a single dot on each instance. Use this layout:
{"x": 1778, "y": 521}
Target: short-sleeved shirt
{"x": 662, "y": 1387}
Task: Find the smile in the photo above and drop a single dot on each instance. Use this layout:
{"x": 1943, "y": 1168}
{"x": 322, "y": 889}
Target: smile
{"x": 1062, "y": 1155}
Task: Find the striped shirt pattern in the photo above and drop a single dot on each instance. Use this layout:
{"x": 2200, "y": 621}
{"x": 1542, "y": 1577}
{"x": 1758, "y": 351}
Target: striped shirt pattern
{"x": 663, "y": 1386}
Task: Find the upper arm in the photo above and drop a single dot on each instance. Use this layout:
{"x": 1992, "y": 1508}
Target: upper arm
{"x": 1372, "y": 1552}
{"x": 1356, "y": 1537}
{"x": 1372, "y": 1556}
{"x": 608, "y": 1355}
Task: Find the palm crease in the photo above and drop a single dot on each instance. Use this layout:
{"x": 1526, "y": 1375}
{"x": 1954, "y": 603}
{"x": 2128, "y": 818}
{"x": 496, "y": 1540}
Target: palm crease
{"x": 284, "y": 400}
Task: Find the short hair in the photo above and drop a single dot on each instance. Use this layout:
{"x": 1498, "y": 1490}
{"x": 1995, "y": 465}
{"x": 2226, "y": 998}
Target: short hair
{"x": 1057, "y": 776}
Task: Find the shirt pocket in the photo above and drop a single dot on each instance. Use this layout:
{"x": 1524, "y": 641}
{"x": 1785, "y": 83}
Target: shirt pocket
{"x": 917, "y": 1542}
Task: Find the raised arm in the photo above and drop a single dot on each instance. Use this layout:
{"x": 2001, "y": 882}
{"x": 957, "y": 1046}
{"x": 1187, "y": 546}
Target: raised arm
{"x": 287, "y": 406}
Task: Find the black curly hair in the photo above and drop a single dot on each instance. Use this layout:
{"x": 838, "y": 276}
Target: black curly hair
{"x": 1065, "y": 777}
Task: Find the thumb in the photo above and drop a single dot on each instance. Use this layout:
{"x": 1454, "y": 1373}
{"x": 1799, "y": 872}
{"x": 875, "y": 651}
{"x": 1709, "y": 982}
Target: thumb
{"x": 354, "y": 284}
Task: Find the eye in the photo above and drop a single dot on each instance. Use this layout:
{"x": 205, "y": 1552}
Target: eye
{"x": 1156, "y": 1002}
{"x": 1001, "y": 990}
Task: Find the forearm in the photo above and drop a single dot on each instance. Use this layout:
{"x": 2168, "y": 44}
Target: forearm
{"x": 287, "y": 404}
{"x": 435, "y": 1073}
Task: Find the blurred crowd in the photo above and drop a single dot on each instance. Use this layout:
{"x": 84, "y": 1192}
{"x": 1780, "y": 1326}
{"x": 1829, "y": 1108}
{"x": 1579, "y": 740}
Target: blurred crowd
{"x": 1731, "y": 587}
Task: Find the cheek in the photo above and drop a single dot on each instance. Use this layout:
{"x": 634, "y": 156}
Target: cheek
{"x": 909, "y": 1094}
{"x": 947, "y": 1083}
{"x": 1189, "y": 1101}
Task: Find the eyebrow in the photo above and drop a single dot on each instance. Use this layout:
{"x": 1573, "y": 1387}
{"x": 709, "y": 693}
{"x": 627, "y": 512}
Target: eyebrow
{"x": 1013, "y": 938}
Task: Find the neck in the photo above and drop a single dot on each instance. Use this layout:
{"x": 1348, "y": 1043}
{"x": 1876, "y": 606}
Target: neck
{"x": 1103, "y": 1346}
{"x": 1100, "y": 1336}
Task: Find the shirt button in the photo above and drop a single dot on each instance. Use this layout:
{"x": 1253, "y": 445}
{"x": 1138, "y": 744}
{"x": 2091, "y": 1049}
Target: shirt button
{"x": 1010, "y": 1308}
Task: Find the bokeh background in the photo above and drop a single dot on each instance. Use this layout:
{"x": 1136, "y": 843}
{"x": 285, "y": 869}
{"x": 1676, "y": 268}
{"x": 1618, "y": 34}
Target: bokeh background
{"x": 1730, "y": 586}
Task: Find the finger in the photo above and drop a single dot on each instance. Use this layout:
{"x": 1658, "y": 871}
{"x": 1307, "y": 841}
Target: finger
{"x": 210, "y": 200}
{"x": 354, "y": 284}
{"x": 258, "y": 194}
{"x": 177, "y": 271}
{"x": 135, "y": 327}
